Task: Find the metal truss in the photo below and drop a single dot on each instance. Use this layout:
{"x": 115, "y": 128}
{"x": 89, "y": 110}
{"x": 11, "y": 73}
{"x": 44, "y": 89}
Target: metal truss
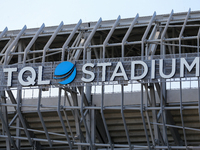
{"x": 156, "y": 117}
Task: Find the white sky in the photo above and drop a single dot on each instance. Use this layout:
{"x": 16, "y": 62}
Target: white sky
{"x": 17, "y": 13}
{"x": 14, "y": 14}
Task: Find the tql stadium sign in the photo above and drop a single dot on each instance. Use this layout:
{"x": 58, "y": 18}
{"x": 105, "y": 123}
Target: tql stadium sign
{"x": 97, "y": 71}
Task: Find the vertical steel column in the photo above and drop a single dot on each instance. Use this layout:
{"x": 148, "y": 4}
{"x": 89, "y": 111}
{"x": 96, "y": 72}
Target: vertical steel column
{"x": 109, "y": 35}
{"x": 7, "y": 132}
{"x": 18, "y": 124}
{"x": 69, "y": 39}
{"x": 61, "y": 119}
{"x": 198, "y": 36}
{"x": 173, "y": 42}
{"x": 21, "y": 117}
{"x": 101, "y": 49}
{"x": 123, "y": 118}
{"x": 143, "y": 119}
{"x": 93, "y": 125}
{"x": 162, "y": 52}
{"x": 128, "y": 33}
{"x": 83, "y": 117}
{"x": 146, "y": 112}
{"x": 90, "y": 118}
{"x": 181, "y": 106}
{"x": 27, "y": 49}
{"x": 162, "y": 108}
{"x": 89, "y": 113}
{"x": 154, "y": 113}
{"x": 4, "y": 121}
{"x": 103, "y": 117}
{"x": 46, "y": 47}
{"x": 95, "y": 50}
{"x": 34, "y": 53}
{"x": 182, "y": 30}
{"x": 181, "y": 112}
{"x": 199, "y": 97}
{"x": 20, "y": 50}
{"x": 41, "y": 118}
{"x": 169, "y": 119}
{"x": 76, "y": 118}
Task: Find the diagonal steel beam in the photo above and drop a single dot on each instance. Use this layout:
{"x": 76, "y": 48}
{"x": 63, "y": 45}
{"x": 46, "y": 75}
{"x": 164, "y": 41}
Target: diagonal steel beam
{"x": 27, "y": 49}
{"x": 10, "y": 94}
{"x": 182, "y": 30}
{"x": 46, "y": 47}
{"x": 128, "y": 33}
{"x": 97, "y": 127}
{"x": 123, "y": 117}
{"x": 199, "y": 97}
{"x": 90, "y": 37}
{"x": 69, "y": 39}
{"x": 5, "y": 126}
{"x": 3, "y": 32}
{"x": 162, "y": 51}
{"x": 175, "y": 134}
{"x": 155, "y": 34}
{"x": 13, "y": 120}
{"x": 5, "y": 47}
{"x": 13, "y": 45}
{"x": 84, "y": 97}
{"x": 163, "y": 112}
{"x": 4, "y": 120}
{"x": 61, "y": 119}
{"x": 143, "y": 119}
{"x": 84, "y": 121}
{"x": 41, "y": 118}
{"x": 13, "y": 100}
{"x": 146, "y": 112}
{"x": 174, "y": 131}
{"x": 77, "y": 52}
{"x": 154, "y": 113}
{"x": 21, "y": 116}
{"x": 109, "y": 35}
{"x": 100, "y": 129}
{"x": 99, "y": 123}
{"x": 76, "y": 113}
{"x": 145, "y": 35}
{"x": 68, "y": 123}
{"x": 198, "y": 37}
{"x": 181, "y": 113}
{"x": 104, "y": 120}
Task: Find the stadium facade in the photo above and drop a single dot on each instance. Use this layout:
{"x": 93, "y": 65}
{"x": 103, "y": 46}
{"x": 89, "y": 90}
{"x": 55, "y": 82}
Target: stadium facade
{"x": 118, "y": 84}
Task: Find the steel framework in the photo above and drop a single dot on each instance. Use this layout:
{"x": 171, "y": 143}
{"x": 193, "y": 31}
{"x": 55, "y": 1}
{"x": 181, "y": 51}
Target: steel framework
{"x": 153, "y": 115}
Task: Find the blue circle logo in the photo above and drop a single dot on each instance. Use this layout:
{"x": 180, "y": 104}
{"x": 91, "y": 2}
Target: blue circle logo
{"x": 65, "y": 70}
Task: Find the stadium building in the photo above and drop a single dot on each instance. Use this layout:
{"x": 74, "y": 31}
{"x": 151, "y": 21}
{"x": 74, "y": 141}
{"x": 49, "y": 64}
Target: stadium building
{"x": 120, "y": 84}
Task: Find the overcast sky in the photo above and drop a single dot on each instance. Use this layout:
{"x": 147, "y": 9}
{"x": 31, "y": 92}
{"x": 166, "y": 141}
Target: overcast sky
{"x": 17, "y": 13}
